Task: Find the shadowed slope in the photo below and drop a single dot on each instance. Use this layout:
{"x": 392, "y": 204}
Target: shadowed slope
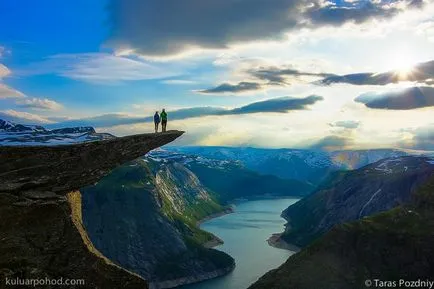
{"x": 393, "y": 245}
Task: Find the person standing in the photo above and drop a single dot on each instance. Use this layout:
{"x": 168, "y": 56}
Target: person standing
{"x": 156, "y": 121}
{"x": 163, "y": 117}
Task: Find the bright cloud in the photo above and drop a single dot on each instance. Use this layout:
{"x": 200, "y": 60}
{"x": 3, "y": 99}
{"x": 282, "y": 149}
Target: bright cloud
{"x": 23, "y": 117}
{"x": 8, "y": 92}
{"x": 39, "y": 104}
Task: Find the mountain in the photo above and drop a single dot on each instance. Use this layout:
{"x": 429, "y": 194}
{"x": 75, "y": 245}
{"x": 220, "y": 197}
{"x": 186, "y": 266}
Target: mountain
{"x": 41, "y": 228}
{"x": 144, "y": 216}
{"x": 12, "y": 134}
{"x": 304, "y": 165}
{"x": 352, "y": 195}
{"x": 7, "y": 126}
{"x": 229, "y": 179}
{"x": 392, "y": 246}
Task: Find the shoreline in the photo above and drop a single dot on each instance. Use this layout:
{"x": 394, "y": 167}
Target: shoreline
{"x": 191, "y": 280}
{"x": 226, "y": 211}
{"x": 277, "y": 242}
{"x": 215, "y": 241}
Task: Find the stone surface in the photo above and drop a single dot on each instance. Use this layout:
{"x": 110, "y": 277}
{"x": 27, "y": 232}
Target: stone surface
{"x": 143, "y": 217}
{"x": 40, "y": 217}
{"x": 66, "y": 168}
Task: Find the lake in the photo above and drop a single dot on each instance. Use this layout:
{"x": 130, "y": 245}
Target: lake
{"x": 245, "y": 233}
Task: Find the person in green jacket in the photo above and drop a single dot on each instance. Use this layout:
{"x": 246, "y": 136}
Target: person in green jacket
{"x": 163, "y": 117}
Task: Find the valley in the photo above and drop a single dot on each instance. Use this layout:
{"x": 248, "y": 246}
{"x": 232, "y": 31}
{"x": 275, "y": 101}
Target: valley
{"x": 199, "y": 217}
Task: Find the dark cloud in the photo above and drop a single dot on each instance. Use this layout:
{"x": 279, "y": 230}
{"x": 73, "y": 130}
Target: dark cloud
{"x": 332, "y": 143}
{"x": 277, "y": 105}
{"x": 169, "y": 27}
{"x": 279, "y": 75}
{"x": 333, "y": 15}
{"x": 348, "y": 124}
{"x": 421, "y": 73}
{"x": 283, "y": 104}
{"x": 411, "y": 98}
{"x": 264, "y": 77}
{"x": 232, "y": 88}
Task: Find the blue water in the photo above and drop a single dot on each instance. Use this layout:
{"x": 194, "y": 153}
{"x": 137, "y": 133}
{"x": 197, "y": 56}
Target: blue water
{"x": 245, "y": 235}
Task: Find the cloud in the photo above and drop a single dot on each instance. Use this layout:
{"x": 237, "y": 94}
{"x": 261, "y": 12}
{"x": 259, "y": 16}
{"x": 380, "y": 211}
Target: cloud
{"x": 4, "y": 71}
{"x": 21, "y": 99}
{"x": 279, "y": 75}
{"x": 99, "y": 68}
{"x": 420, "y": 73}
{"x": 260, "y": 75}
{"x": 422, "y": 138}
{"x": 243, "y": 86}
{"x": 406, "y": 99}
{"x": 8, "y": 92}
{"x": 357, "y": 12}
{"x": 179, "y": 82}
{"x": 168, "y": 28}
{"x": 23, "y": 117}
{"x": 348, "y": 124}
{"x": 332, "y": 143}
{"x": 282, "y": 105}
{"x": 274, "y": 105}
{"x": 39, "y": 103}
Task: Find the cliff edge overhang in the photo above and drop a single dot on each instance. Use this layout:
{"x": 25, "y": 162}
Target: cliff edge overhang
{"x": 41, "y": 232}
{"x": 32, "y": 170}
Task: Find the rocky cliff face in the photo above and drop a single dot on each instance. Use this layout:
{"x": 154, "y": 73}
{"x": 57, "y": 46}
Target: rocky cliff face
{"x": 40, "y": 224}
{"x": 143, "y": 216}
{"x": 393, "y": 245}
{"x": 352, "y": 195}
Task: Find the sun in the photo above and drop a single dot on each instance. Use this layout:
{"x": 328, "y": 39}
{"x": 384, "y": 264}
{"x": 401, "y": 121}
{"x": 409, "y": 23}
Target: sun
{"x": 404, "y": 68}
{"x": 402, "y": 63}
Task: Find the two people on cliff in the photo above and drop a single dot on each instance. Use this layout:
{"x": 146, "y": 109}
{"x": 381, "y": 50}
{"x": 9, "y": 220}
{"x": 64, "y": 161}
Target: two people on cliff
{"x": 160, "y": 117}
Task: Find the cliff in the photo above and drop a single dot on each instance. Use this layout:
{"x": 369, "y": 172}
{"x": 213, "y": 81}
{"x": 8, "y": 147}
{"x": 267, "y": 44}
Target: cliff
{"x": 352, "y": 195}
{"x": 143, "y": 216}
{"x": 40, "y": 222}
{"x": 393, "y": 245}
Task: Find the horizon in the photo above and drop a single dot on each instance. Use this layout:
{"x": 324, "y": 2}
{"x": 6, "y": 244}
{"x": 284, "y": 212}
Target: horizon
{"x": 344, "y": 75}
{"x": 311, "y": 149}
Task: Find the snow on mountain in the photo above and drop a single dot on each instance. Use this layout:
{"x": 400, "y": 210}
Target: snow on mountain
{"x": 12, "y": 134}
{"x": 300, "y": 164}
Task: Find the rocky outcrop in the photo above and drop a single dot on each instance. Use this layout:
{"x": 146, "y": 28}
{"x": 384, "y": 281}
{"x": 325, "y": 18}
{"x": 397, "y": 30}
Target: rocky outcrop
{"x": 390, "y": 246}
{"x": 143, "y": 216}
{"x": 352, "y": 195}
{"x": 40, "y": 223}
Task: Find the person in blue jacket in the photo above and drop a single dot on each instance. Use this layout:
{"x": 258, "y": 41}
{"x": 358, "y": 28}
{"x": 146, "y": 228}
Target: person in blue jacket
{"x": 156, "y": 121}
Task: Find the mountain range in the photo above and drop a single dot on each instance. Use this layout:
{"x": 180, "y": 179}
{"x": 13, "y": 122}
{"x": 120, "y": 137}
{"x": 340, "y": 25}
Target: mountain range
{"x": 12, "y": 134}
{"x": 353, "y": 195}
{"x": 364, "y": 214}
{"x": 311, "y": 166}
{"x": 391, "y": 245}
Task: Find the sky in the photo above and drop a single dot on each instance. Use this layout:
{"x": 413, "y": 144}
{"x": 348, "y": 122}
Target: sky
{"x": 340, "y": 74}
